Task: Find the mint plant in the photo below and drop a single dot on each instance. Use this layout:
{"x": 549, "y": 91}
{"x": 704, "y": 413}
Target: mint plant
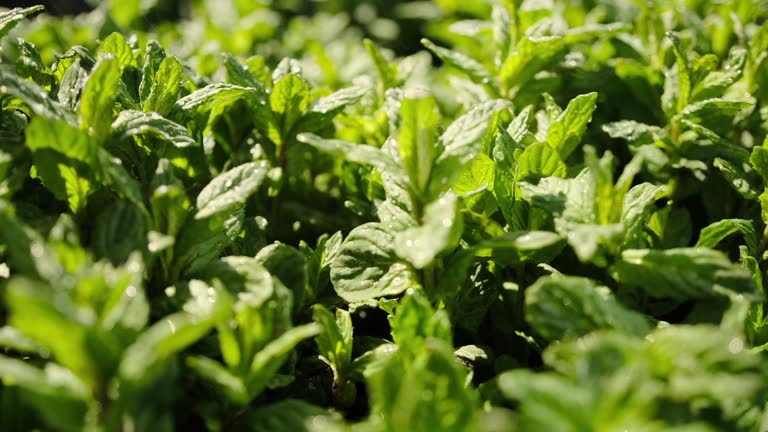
{"x": 352, "y": 216}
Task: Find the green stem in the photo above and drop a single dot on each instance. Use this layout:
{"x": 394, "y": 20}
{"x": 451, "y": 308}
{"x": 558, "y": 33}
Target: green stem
{"x": 282, "y": 162}
{"x": 429, "y": 278}
{"x": 520, "y": 318}
{"x": 763, "y": 244}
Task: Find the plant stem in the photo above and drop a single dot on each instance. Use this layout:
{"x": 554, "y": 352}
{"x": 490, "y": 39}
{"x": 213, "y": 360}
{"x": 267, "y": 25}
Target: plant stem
{"x": 430, "y": 279}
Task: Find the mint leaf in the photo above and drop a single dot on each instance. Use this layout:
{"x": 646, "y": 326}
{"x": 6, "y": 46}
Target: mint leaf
{"x": 416, "y": 141}
{"x": 681, "y": 273}
{"x": 367, "y": 267}
{"x": 131, "y": 123}
{"x": 11, "y": 18}
{"x": 568, "y": 127}
{"x": 562, "y": 308}
{"x": 439, "y": 231}
{"x": 229, "y": 191}
{"x": 99, "y": 96}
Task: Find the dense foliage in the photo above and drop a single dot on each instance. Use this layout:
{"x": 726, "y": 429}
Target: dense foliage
{"x": 225, "y": 215}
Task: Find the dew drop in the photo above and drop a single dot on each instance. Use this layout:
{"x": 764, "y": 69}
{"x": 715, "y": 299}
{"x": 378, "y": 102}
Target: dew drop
{"x": 37, "y": 250}
{"x": 736, "y": 345}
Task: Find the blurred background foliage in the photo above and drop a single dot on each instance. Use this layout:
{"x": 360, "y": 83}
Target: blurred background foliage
{"x": 242, "y": 24}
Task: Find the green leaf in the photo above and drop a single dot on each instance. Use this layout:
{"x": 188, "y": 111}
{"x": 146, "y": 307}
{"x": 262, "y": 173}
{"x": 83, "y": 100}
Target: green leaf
{"x": 387, "y": 73}
{"x": 13, "y": 232}
{"x": 99, "y": 96}
{"x": 71, "y": 83}
{"x": 334, "y": 343}
{"x": 505, "y": 181}
{"x": 130, "y": 123}
{"x": 716, "y": 114}
{"x": 216, "y": 97}
{"x": 549, "y": 401}
{"x": 12, "y": 125}
{"x": 165, "y": 87}
{"x": 467, "y": 65}
{"x": 439, "y": 231}
{"x": 34, "y": 96}
{"x": 116, "y": 45}
{"x": 319, "y": 262}
{"x": 290, "y": 416}
{"x": 115, "y": 175}
{"x": 521, "y": 246}
{"x": 428, "y": 395}
{"x": 228, "y": 191}
{"x": 367, "y": 266}
{"x": 682, "y": 273}
{"x": 715, "y": 83}
{"x": 246, "y": 275}
{"x": 358, "y": 153}
{"x": 570, "y": 307}
{"x": 540, "y": 160}
{"x": 415, "y": 322}
{"x": 288, "y": 265}
{"x": 321, "y": 112}
{"x": 228, "y": 383}
{"x": 289, "y": 99}
{"x": 43, "y": 133}
{"x": 267, "y": 361}
{"x": 238, "y": 73}
{"x": 11, "y": 18}
{"x": 154, "y": 54}
{"x": 57, "y": 395}
{"x": 76, "y": 187}
{"x": 54, "y": 326}
{"x": 143, "y": 360}
{"x": 118, "y": 231}
{"x": 566, "y": 130}
{"x": 30, "y": 64}
{"x": 631, "y": 130}
{"x": 287, "y": 66}
{"x": 637, "y": 205}
{"x": 168, "y": 200}
{"x": 460, "y": 144}
{"x": 416, "y": 140}
{"x": 683, "y": 72}
{"x": 476, "y": 177}
{"x": 716, "y": 232}
{"x": 532, "y": 55}
{"x": 759, "y": 161}
{"x": 736, "y": 178}
{"x": 570, "y": 199}
{"x": 200, "y": 241}
{"x": 125, "y": 310}
{"x": 12, "y": 339}
{"x": 502, "y": 37}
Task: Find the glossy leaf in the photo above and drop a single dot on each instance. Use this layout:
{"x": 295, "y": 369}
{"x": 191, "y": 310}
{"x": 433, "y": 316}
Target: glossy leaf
{"x": 562, "y": 308}
{"x": 367, "y": 267}
{"x": 681, "y": 273}
{"x": 229, "y": 191}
